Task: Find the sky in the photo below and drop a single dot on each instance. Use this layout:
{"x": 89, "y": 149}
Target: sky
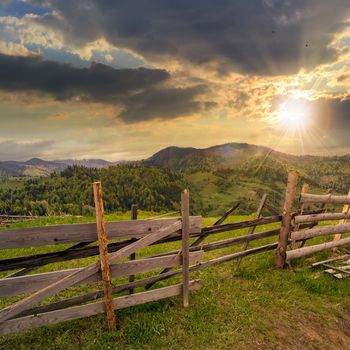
{"x": 121, "y": 80}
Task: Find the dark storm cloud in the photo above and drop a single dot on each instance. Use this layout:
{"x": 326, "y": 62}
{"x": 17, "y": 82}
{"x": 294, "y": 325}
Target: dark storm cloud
{"x": 141, "y": 92}
{"x": 266, "y": 37}
{"x": 162, "y": 103}
{"x": 97, "y": 83}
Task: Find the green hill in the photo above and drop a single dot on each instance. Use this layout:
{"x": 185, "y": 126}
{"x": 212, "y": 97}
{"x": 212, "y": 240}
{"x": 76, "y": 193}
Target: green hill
{"x": 217, "y": 177}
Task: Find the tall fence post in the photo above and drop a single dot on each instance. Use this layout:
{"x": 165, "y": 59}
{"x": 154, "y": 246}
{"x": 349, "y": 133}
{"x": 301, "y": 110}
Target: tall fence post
{"x": 185, "y": 215}
{"x": 280, "y": 258}
{"x": 133, "y": 255}
{"x": 345, "y": 210}
{"x": 104, "y": 260}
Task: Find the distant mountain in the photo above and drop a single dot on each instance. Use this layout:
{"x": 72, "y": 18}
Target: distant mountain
{"x": 38, "y": 167}
{"x": 229, "y": 155}
{"x": 216, "y": 176}
{"x": 243, "y": 172}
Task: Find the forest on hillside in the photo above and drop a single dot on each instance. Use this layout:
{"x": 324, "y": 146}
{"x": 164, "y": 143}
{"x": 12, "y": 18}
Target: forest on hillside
{"x": 70, "y": 192}
{"x": 217, "y": 178}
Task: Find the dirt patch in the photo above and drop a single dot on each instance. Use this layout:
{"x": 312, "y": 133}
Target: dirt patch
{"x": 309, "y": 332}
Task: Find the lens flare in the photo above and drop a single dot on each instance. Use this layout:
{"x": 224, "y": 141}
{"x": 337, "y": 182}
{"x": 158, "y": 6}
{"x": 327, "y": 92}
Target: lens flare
{"x": 293, "y": 115}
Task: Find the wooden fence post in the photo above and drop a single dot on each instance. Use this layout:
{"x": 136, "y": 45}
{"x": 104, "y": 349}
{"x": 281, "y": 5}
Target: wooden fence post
{"x": 102, "y": 243}
{"x": 346, "y": 209}
{"x": 133, "y": 255}
{"x": 185, "y": 214}
{"x": 280, "y": 258}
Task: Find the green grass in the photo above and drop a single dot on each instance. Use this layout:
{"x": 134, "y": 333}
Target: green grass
{"x": 256, "y": 307}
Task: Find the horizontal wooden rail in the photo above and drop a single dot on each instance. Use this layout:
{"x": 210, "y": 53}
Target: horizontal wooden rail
{"x": 28, "y": 284}
{"x": 320, "y": 231}
{"x": 324, "y": 198}
{"x": 321, "y": 217}
{"x": 65, "y": 234}
{"x": 16, "y": 308}
{"x": 301, "y": 252}
{"x": 42, "y": 259}
{"x": 53, "y": 317}
{"x": 146, "y": 281}
{"x": 242, "y": 224}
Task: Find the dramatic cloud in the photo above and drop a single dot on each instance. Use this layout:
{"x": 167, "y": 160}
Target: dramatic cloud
{"x": 139, "y": 92}
{"x": 266, "y": 37}
{"x": 163, "y": 103}
{"x": 63, "y": 81}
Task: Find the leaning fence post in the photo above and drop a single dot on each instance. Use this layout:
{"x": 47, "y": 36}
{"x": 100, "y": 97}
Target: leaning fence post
{"x": 280, "y": 258}
{"x": 185, "y": 215}
{"x": 133, "y": 255}
{"x": 104, "y": 260}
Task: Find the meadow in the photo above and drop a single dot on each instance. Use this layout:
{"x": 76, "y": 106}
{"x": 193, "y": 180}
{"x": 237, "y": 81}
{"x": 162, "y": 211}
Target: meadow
{"x": 254, "y": 307}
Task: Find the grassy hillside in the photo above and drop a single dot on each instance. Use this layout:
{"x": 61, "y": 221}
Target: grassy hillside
{"x": 217, "y": 177}
{"x": 256, "y": 307}
{"x": 226, "y": 173}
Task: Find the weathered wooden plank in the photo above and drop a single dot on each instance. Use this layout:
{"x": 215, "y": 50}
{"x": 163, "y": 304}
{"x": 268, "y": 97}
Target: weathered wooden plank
{"x": 322, "y": 217}
{"x": 145, "y": 281}
{"x": 185, "y": 217}
{"x": 320, "y": 231}
{"x": 65, "y": 234}
{"x": 32, "y": 266}
{"x": 337, "y": 258}
{"x": 53, "y": 317}
{"x": 301, "y": 252}
{"x": 324, "y": 198}
{"x": 104, "y": 260}
{"x": 280, "y": 257}
{"x": 87, "y": 271}
{"x": 31, "y": 283}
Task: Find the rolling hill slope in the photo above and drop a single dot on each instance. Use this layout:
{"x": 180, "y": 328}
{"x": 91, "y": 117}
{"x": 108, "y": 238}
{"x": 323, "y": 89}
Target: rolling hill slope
{"x": 217, "y": 177}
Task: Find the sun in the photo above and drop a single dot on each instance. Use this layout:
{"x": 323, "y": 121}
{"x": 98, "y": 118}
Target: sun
{"x": 293, "y": 115}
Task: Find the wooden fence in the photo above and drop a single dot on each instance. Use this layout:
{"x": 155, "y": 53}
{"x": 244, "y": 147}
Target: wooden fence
{"x": 293, "y": 232}
{"x": 128, "y": 238}
{"x": 141, "y": 233}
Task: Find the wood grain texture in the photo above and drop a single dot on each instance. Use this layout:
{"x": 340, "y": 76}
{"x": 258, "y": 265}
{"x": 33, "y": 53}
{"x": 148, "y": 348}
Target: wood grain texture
{"x": 145, "y": 281}
{"x": 324, "y": 198}
{"x": 322, "y": 217}
{"x": 86, "y": 272}
{"x": 301, "y": 252}
{"x": 53, "y": 317}
{"x": 280, "y": 257}
{"x": 104, "y": 259}
{"x": 320, "y": 231}
{"x": 65, "y": 234}
{"x": 31, "y": 283}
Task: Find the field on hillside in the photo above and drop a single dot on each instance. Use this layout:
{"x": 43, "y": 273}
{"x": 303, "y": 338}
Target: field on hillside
{"x": 256, "y": 307}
